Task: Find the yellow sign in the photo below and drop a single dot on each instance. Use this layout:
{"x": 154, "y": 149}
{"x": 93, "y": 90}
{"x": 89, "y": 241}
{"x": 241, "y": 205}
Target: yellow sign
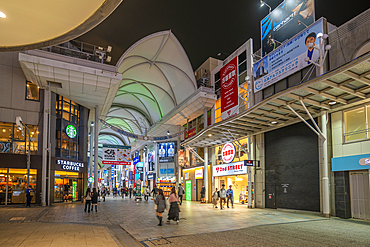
{"x": 199, "y": 173}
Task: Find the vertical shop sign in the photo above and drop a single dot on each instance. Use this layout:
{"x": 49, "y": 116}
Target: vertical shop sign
{"x": 229, "y": 89}
{"x": 74, "y": 189}
{"x": 188, "y": 190}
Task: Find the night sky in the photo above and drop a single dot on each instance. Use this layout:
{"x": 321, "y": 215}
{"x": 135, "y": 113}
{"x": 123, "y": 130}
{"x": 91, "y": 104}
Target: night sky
{"x": 204, "y": 28}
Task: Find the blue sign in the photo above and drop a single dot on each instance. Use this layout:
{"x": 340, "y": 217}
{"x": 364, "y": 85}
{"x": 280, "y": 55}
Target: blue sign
{"x": 136, "y": 160}
{"x": 166, "y": 152}
{"x": 168, "y": 172}
{"x": 150, "y": 176}
{"x": 112, "y": 172}
{"x": 288, "y": 58}
{"x": 350, "y": 163}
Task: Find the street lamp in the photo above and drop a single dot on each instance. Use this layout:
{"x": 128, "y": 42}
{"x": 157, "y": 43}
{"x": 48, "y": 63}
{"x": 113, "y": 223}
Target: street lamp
{"x": 20, "y": 124}
{"x": 263, "y": 4}
{"x": 320, "y": 64}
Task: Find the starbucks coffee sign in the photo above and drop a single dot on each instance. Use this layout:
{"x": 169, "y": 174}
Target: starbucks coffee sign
{"x": 71, "y": 131}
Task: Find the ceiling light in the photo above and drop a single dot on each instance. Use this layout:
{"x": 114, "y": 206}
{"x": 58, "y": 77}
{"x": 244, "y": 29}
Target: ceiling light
{"x": 2, "y": 15}
{"x": 332, "y": 102}
{"x": 92, "y": 124}
{"x": 209, "y": 134}
{"x": 274, "y": 122}
{"x": 4, "y": 130}
{"x": 168, "y": 132}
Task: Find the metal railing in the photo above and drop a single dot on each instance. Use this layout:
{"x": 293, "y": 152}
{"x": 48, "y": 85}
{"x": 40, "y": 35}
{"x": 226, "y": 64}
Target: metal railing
{"x": 357, "y": 132}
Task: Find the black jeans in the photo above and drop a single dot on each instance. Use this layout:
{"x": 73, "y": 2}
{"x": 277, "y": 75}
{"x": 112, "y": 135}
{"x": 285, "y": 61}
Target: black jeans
{"x": 146, "y": 197}
{"x": 28, "y": 201}
{"x": 180, "y": 197}
{"x": 88, "y": 205}
{"x": 231, "y": 200}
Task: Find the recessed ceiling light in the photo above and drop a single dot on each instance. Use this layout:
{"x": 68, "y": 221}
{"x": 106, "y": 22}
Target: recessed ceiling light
{"x": 209, "y": 134}
{"x": 2, "y": 15}
{"x": 274, "y": 122}
{"x": 332, "y": 102}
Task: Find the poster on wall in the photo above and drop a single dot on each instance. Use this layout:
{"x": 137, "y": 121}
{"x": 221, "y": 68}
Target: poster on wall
{"x": 188, "y": 190}
{"x": 229, "y": 89}
{"x": 166, "y": 152}
{"x": 288, "y": 58}
{"x": 116, "y": 155}
{"x": 285, "y": 21}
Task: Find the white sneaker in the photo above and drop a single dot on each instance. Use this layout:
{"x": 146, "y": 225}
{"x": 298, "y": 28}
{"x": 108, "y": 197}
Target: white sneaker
{"x": 178, "y": 221}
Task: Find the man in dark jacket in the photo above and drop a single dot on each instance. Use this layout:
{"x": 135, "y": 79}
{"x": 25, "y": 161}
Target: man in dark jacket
{"x": 203, "y": 194}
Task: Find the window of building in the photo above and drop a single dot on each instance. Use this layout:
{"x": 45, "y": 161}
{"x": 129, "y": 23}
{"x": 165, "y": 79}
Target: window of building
{"x": 68, "y": 114}
{"x": 13, "y": 140}
{"x": 356, "y": 123}
{"x": 32, "y": 91}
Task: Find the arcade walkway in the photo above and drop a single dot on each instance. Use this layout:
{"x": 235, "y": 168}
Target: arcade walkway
{"x": 123, "y": 222}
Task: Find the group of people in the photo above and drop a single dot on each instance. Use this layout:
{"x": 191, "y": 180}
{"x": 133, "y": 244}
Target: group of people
{"x": 161, "y": 205}
{"x": 222, "y": 194}
{"x": 91, "y": 200}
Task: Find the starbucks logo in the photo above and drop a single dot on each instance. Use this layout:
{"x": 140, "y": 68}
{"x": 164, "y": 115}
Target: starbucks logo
{"x": 71, "y": 131}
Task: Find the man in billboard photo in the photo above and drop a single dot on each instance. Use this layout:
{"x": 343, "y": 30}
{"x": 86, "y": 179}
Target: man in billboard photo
{"x": 171, "y": 151}
{"x": 311, "y": 52}
{"x": 161, "y": 151}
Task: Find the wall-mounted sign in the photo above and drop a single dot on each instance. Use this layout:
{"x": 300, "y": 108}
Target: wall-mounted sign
{"x": 192, "y": 132}
{"x": 70, "y": 165}
{"x": 91, "y": 179}
{"x": 71, "y": 131}
{"x": 116, "y": 155}
{"x": 284, "y": 22}
{"x": 188, "y": 190}
{"x": 351, "y": 163}
{"x": 199, "y": 173}
{"x": 230, "y": 169}
{"x": 151, "y": 176}
{"x": 112, "y": 172}
{"x": 288, "y": 58}
{"x": 136, "y": 160}
{"x": 186, "y": 175}
{"x": 229, "y": 89}
{"x": 166, "y": 152}
{"x": 228, "y": 152}
{"x": 74, "y": 189}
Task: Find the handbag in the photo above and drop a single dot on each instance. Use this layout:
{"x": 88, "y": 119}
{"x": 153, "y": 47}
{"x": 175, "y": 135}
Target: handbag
{"x": 88, "y": 197}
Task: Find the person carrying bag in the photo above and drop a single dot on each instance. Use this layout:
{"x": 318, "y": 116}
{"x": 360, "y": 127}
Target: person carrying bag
{"x": 88, "y": 200}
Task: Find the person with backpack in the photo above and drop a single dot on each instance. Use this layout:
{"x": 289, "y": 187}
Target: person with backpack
{"x": 160, "y": 203}
{"x": 222, "y": 196}
{"x": 88, "y": 200}
{"x": 203, "y": 194}
{"x": 94, "y": 200}
{"x": 181, "y": 192}
{"x": 146, "y": 194}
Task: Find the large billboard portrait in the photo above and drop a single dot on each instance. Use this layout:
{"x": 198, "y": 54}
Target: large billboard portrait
{"x": 166, "y": 152}
{"x": 288, "y": 58}
{"x": 285, "y": 21}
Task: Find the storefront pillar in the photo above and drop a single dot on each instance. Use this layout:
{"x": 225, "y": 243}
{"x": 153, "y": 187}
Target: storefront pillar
{"x": 251, "y": 147}
{"x": 91, "y": 152}
{"x": 7, "y": 186}
{"x": 96, "y": 158}
{"x": 44, "y": 146}
{"x": 178, "y": 178}
{"x": 206, "y": 172}
{"x": 325, "y": 177}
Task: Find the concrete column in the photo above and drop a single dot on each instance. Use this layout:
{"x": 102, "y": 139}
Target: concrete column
{"x": 145, "y": 160}
{"x": 325, "y": 177}
{"x": 251, "y": 156}
{"x": 44, "y": 147}
{"x": 205, "y": 118}
{"x": 179, "y": 173}
{"x": 206, "y": 172}
{"x": 91, "y": 151}
{"x": 96, "y": 158}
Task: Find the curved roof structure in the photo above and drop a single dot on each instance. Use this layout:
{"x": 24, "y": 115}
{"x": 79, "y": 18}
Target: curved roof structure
{"x": 156, "y": 77}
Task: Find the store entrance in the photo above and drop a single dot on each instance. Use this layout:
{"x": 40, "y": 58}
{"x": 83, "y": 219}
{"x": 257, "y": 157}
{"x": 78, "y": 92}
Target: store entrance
{"x": 67, "y": 187}
{"x": 239, "y": 185}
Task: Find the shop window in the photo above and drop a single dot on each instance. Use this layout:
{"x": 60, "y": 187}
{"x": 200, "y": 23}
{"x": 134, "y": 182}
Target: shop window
{"x": 355, "y": 124}
{"x": 13, "y": 140}
{"x": 32, "y": 91}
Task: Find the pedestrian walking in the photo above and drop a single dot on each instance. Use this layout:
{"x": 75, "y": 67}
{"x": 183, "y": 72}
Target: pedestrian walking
{"x": 155, "y": 192}
{"x": 215, "y": 196}
{"x": 146, "y": 194}
{"x": 104, "y": 192}
{"x": 230, "y": 197}
{"x": 66, "y": 192}
{"x": 173, "y": 213}
{"x": 181, "y": 192}
{"x": 203, "y": 194}
{"x": 94, "y": 200}
{"x": 222, "y": 196}
{"x": 88, "y": 200}
{"x": 28, "y": 196}
{"x": 160, "y": 203}
{"x": 123, "y": 192}
{"x": 130, "y": 191}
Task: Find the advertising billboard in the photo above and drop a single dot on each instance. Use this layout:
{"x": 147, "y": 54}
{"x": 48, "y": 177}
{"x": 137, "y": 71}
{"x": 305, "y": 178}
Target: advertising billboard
{"x": 136, "y": 160}
{"x": 116, "y": 155}
{"x": 229, "y": 89}
{"x": 285, "y": 21}
{"x": 288, "y": 58}
{"x": 166, "y": 152}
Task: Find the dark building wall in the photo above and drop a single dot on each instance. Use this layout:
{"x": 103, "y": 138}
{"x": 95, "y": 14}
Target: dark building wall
{"x": 292, "y": 157}
{"x": 342, "y": 198}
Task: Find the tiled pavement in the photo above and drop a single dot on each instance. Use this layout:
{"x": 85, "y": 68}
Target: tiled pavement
{"x": 124, "y": 222}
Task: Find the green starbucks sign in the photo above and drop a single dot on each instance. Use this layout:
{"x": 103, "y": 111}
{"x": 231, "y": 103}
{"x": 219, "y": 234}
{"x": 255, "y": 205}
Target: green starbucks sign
{"x": 71, "y": 131}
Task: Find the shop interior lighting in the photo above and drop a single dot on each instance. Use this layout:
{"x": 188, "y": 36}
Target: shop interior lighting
{"x": 4, "y": 130}
{"x": 2, "y": 15}
{"x": 332, "y": 102}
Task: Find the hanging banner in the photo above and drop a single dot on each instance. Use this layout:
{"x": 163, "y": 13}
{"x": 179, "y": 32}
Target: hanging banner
{"x": 229, "y": 89}
{"x": 285, "y": 21}
{"x": 166, "y": 152}
{"x": 288, "y": 58}
{"x": 116, "y": 155}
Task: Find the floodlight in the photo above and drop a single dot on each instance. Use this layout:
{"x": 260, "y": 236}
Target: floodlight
{"x": 109, "y": 48}
{"x": 307, "y": 59}
{"x": 327, "y": 47}
{"x": 108, "y": 59}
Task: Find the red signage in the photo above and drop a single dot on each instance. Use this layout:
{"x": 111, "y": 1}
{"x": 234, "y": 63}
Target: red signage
{"x": 229, "y": 89}
{"x": 228, "y": 152}
{"x": 117, "y": 163}
{"x": 192, "y": 132}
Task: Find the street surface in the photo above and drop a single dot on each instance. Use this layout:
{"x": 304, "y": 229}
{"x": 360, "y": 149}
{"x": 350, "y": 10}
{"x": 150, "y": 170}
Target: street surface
{"x": 124, "y": 222}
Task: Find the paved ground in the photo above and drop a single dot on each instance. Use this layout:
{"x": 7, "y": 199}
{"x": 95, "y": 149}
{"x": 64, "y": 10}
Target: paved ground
{"x": 123, "y": 222}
